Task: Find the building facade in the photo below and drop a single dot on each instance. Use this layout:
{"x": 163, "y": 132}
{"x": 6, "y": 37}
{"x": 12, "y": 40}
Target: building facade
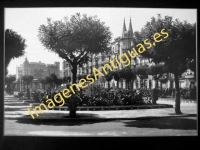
{"x": 37, "y": 69}
{"x": 119, "y": 46}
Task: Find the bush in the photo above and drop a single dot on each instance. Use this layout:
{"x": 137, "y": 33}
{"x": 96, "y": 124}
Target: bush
{"x": 109, "y": 97}
{"x": 36, "y": 95}
{"x": 188, "y": 93}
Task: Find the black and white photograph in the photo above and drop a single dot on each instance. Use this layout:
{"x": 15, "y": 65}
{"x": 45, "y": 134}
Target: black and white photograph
{"x": 100, "y": 72}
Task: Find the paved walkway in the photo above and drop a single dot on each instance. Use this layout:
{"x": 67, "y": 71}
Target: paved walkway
{"x": 15, "y": 109}
{"x": 182, "y": 100}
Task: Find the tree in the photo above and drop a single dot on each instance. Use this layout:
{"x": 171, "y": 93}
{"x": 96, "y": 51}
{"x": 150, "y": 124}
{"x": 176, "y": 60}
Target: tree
{"x": 43, "y": 82}
{"x": 67, "y": 79}
{"x": 14, "y": 46}
{"x": 82, "y": 76}
{"x": 49, "y": 81}
{"x": 27, "y": 79}
{"x": 128, "y": 75}
{"x": 75, "y": 39}
{"x": 58, "y": 82}
{"x": 117, "y": 76}
{"x": 108, "y": 78}
{"x": 176, "y": 49}
{"x": 8, "y": 80}
{"x": 141, "y": 72}
{"x": 156, "y": 71}
{"x": 192, "y": 66}
{"x": 54, "y": 78}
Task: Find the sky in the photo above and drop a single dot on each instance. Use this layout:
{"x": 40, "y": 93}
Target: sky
{"x": 26, "y": 21}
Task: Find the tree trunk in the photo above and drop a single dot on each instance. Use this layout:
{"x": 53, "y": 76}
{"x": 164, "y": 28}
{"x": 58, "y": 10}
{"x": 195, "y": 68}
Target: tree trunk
{"x": 141, "y": 83}
{"x": 8, "y": 88}
{"x": 74, "y": 72}
{"x": 156, "y": 80}
{"x": 108, "y": 84}
{"x": 177, "y": 95}
{"x": 157, "y": 83}
{"x": 28, "y": 93}
{"x": 161, "y": 85}
{"x": 72, "y": 110}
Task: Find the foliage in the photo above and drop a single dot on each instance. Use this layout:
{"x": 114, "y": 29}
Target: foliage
{"x": 109, "y": 76}
{"x": 156, "y": 71}
{"x": 58, "y": 81}
{"x": 188, "y": 93}
{"x": 14, "y": 46}
{"x": 48, "y": 80}
{"x": 42, "y": 81}
{"x": 175, "y": 51}
{"x": 8, "y": 80}
{"x": 53, "y": 76}
{"x": 117, "y": 75}
{"x": 192, "y": 66}
{"x": 75, "y": 38}
{"x": 28, "y": 79}
{"x": 110, "y": 97}
{"x": 141, "y": 71}
{"x": 67, "y": 79}
{"x": 82, "y": 76}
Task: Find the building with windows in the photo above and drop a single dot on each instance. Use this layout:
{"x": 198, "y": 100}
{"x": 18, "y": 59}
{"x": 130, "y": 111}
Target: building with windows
{"x": 119, "y": 46}
{"x": 37, "y": 69}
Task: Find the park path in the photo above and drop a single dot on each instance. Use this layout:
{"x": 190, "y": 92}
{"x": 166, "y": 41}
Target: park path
{"x": 55, "y": 123}
{"x": 17, "y": 109}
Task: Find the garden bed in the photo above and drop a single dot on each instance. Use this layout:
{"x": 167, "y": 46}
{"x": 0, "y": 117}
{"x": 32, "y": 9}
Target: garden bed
{"x": 100, "y": 108}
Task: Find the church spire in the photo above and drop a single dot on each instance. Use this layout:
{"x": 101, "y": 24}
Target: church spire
{"x": 130, "y": 30}
{"x": 124, "y": 28}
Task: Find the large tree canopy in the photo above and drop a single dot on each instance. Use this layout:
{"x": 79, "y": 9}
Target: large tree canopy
{"x": 75, "y": 38}
{"x": 176, "y": 49}
{"x": 14, "y": 46}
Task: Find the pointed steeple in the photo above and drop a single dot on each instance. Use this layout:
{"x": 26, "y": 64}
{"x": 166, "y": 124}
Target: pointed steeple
{"x": 124, "y": 28}
{"x": 130, "y": 30}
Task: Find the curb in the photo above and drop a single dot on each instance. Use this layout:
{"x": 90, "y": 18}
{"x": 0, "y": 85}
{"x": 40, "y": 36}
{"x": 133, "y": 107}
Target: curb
{"x": 107, "y": 108}
{"x": 103, "y": 119}
{"x": 182, "y": 101}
